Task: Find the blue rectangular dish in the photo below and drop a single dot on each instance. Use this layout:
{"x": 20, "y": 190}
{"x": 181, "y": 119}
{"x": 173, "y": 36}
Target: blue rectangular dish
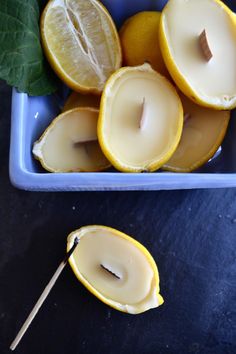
{"x": 31, "y": 115}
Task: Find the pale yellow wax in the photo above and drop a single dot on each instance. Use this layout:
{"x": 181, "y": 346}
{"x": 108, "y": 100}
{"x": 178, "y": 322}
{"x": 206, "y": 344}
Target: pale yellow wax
{"x": 135, "y": 288}
{"x": 60, "y": 146}
{"x": 184, "y": 21}
{"x": 203, "y": 131}
{"x": 130, "y": 144}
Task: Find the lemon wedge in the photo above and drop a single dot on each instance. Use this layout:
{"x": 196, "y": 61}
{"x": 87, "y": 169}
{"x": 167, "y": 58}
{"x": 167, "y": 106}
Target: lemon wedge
{"x": 76, "y": 99}
{"x": 81, "y": 43}
{"x": 139, "y": 41}
{"x": 198, "y": 43}
{"x": 140, "y": 120}
{"x": 70, "y": 143}
{"x": 115, "y": 268}
{"x": 203, "y": 132}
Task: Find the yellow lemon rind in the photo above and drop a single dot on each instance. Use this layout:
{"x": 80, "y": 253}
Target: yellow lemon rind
{"x": 132, "y": 41}
{"x": 109, "y": 302}
{"x": 69, "y": 103}
{"x": 153, "y": 165}
{"x": 178, "y": 77}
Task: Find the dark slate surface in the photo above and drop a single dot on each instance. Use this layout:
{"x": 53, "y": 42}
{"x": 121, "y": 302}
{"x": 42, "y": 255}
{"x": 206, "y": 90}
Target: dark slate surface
{"x": 191, "y": 234}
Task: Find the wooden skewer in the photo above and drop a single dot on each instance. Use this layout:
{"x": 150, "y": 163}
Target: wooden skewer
{"x": 203, "y": 41}
{"x": 43, "y": 297}
{"x": 143, "y": 117}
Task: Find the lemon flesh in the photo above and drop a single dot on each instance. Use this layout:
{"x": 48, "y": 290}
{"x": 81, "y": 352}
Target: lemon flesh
{"x": 115, "y": 268}
{"x": 70, "y": 143}
{"x": 81, "y": 43}
{"x": 210, "y": 83}
{"x": 128, "y": 147}
{"x": 203, "y": 132}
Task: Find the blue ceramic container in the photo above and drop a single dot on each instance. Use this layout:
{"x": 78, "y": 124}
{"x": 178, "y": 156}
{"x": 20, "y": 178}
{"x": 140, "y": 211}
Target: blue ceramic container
{"x": 31, "y": 115}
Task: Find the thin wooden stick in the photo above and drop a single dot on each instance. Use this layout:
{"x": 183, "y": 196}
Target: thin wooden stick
{"x": 206, "y": 51}
{"x": 43, "y": 297}
{"x": 143, "y": 116}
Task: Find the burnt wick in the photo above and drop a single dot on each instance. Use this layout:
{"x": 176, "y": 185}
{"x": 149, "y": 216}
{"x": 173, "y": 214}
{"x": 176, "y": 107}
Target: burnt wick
{"x": 109, "y": 271}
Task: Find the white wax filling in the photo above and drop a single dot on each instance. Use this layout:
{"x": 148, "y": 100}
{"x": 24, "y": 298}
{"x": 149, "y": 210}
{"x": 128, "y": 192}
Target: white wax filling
{"x": 130, "y": 144}
{"x": 184, "y": 21}
{"x": 59, "y": 149}
{"x": 101, "y": 247}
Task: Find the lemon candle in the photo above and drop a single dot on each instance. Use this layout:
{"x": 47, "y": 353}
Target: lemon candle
{"x": 203, "y": 132}
{"x": 115, "y": 268}
{"x": 140, "y": 119}
{"x": 198, "y": 43}
{"x": 70, "y": 143}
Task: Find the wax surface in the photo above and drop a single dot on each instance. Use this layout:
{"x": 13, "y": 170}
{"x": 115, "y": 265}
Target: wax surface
{"x": 101, "y": 247}
{"x": 130, "y": 144}
{"x": 59, "y": 149}
{"x": 202, "y": 133}
{"x": 184, "y": 21}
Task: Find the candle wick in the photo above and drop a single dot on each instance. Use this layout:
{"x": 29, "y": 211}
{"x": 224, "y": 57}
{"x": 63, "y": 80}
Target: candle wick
{"x": 143, "y": 116}
{"x": 204, "y": 45}
{"x": 85, "y": 144}
{"x": 109, "y": 271}
{"x": 187, "y": 116}
{"x": 82, "y": 142}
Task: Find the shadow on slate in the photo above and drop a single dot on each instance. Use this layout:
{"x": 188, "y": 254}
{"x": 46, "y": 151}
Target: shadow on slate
{"x": 191, "y": 234}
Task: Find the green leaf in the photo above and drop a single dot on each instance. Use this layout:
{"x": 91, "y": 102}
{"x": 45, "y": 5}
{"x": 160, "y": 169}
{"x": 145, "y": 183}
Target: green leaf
{"x": 22, "y": 63}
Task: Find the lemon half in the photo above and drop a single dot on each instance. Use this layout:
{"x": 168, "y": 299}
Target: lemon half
{"x": 126, "y": 145}
{"x": 203, "y": 132}
{"x": 70, "y": 144}
{"x": 208, "y": 82}
{"x": 115, "y": 268}
{"x": 140, "y": 43}
{"x": 81, "y": 43}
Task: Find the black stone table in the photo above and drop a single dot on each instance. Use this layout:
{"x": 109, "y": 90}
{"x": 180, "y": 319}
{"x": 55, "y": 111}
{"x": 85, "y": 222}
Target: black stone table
{"x": 191, "y": 234}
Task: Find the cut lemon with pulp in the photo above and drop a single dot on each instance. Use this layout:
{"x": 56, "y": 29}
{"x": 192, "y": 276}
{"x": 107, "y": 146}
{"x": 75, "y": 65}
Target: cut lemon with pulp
{"x": 198, "y": 43}
{"x": 76, "y": 99}
{"x": 70, "y": 143}
{"x": 115, "y": 268}
{"x": 203, "y": 132}
{"x": 140, "y": 119}
{"x": 139, "y": 41}
{"x": 81, "y": 43}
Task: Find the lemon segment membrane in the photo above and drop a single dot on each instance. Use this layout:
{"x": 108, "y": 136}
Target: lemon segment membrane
{"x": 81, "y": 43}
